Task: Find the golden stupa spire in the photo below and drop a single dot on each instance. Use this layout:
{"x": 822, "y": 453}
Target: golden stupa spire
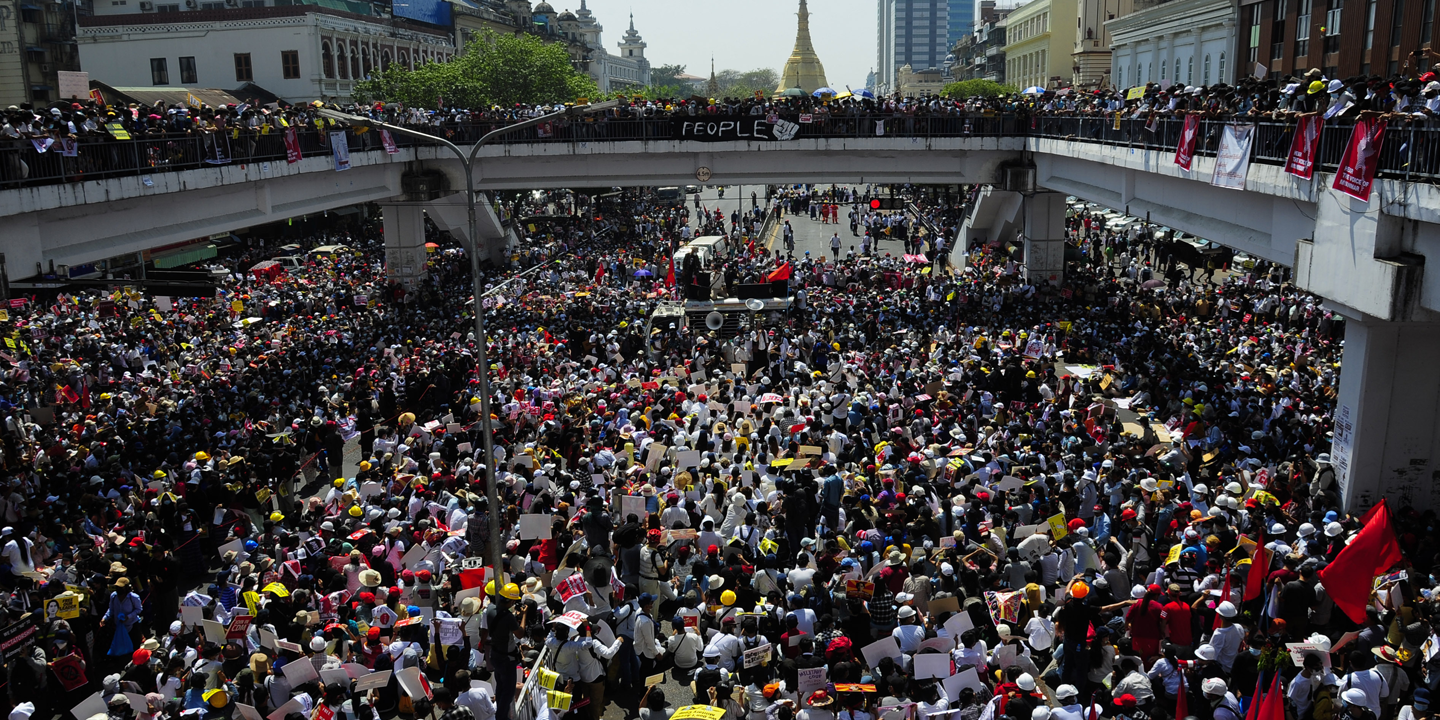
{"x": 803, "y": 70}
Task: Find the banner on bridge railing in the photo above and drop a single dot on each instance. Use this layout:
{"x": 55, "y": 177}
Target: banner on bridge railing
{"x": 1304, "y": 147}
{"x": 729, "y": 128}
{"x": 1232, "y": 162}
{"x": 1356, "y": 174}
{"x": 1185, "y": 149}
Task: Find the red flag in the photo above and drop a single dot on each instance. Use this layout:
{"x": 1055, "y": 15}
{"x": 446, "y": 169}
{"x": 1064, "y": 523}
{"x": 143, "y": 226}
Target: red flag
{"x": 1356, "y": 174}
{"x": 1259, "y": 568}
{"x": 84, "y": 394}
{"x": 292, "y": 146}
{"x": 1274, "y": 708}
{"x": 1185, "y": 149}
{"x": 1253, "y": 713}
{"x": 670, "y": 278}
{"x": 472, "y": 578}
{"x": 1372, "y": 552}
{"x": 1304, "y": 147}
{"x": 1182, "y": 703}
{"x": 1224, "y": 595}
{"x": 780, "y": 273}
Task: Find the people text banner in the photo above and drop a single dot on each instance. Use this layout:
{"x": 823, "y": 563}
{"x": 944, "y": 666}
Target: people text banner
{"x": 730, "y": 128}
{"x": 1356, "y": 174}
{"x": 1232, "y": 161}
{"x": 1185, "y": 151}
{"x": 1304, "y": 147}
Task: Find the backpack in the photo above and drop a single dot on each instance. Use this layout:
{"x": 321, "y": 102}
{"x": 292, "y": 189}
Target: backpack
{"x": 1323, "y": 707}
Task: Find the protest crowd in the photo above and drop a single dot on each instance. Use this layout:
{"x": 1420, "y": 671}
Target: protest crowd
{"x": 928, "y": 489}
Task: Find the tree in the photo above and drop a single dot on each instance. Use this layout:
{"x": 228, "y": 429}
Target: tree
{"x": 667, "y": 76}
{"x": 494, "y": 70}
{"x": 980, "y": 88}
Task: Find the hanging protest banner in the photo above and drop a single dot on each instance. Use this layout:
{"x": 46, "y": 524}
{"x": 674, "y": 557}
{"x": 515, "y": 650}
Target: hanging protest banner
{"x": 1304, "y": 147}
{"x": 1232, "y": 161}
{"x": 1356, "y": 174}
{"x": 340, "y": 146}
{"x": 1185, "y": 149}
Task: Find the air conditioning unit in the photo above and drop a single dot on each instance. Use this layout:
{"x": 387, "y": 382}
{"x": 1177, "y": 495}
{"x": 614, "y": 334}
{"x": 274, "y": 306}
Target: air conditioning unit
{"x": 147, "y": 6}
{"x": 190, "y": 4}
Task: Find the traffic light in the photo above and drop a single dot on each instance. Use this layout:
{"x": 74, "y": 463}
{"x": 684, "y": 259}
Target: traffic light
{"x": 887, "y": 204}
{"x": 875, "y": 204}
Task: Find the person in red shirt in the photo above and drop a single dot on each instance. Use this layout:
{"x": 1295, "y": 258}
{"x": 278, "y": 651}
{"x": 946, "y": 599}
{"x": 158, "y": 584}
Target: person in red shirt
{"x": 1145, "y": 619}
{"x": 1176, "y": 613}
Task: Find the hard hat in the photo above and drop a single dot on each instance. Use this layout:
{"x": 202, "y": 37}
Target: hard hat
{"x": 339, "y": 482}
{"x": 1079, "y": 590}
{"x": 356, "y": 511}
{"x": 490, "y": 588}
{"x": 276, "y": 516}
{"x": 728, "y": 597}
{"x": 511, "y": 591}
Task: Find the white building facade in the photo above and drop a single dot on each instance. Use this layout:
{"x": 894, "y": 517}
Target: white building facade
{"x": 298, "y": 52}
{"x": 1186, "y": 42}
{"x": 627, "y": 68}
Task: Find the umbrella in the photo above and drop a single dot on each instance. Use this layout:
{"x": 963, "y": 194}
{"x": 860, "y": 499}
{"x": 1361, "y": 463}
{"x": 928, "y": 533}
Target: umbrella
{"x": 793, "y": 92}
{"x": 432, "y": 245}
{"x": 1148, "y": 284}
{"x": 866, "y": 94}
{"x": 642, "y": 272}
{"x": 1033, "y": 90}
{"x": 824, "y": 91}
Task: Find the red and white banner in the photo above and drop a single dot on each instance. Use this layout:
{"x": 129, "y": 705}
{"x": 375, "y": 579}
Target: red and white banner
{"x": 1356, "y": 174}
{"x": 388, "y": 142}
{"x": 1304, "y": 147}
{"x": 1185, "y": 151}
{"x": 292, "y": 146}
{"x": 571, "y": 586}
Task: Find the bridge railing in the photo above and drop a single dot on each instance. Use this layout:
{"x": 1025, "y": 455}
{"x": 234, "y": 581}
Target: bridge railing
{"x": 1409, "y": 152}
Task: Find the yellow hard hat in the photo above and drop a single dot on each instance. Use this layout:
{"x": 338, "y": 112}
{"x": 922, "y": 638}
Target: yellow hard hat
{"x": 511, "y": 591}
{"x": 276, "y": 516}
{"x": 490, "y": 588}
{"x": 339, "y": 482}
{"x": 728, "y": 597}
{"x": 202, "y": 456}
{"x": 364, "y": 464}
{"x": 217, "y": 698}
{"x": 355, "y": 511}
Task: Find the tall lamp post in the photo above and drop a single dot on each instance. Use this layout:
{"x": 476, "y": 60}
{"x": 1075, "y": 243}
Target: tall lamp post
{"x": 467, "y": 160}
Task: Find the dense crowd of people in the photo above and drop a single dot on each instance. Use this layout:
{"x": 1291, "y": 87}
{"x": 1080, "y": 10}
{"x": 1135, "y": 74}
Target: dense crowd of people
{"x": 913, "y": 493}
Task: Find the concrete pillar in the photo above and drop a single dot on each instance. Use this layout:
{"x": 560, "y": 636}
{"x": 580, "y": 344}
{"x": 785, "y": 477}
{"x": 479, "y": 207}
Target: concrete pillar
{"x": 1387, "y": 416}
{"x": 404, "y": 244}
{"x": 1044, "y": 215}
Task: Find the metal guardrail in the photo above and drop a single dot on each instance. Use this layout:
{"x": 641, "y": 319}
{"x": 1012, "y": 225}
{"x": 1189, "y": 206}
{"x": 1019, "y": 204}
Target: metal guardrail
{"x": 1409, "y": 152}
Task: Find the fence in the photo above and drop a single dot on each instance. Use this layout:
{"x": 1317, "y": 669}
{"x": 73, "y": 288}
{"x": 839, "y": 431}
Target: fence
{"x": 1409, "y": 153}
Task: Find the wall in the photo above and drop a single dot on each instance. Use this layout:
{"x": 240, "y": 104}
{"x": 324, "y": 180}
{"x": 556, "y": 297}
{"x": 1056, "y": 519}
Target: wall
{"x": 1149, "y": 41}
{"x": 12, "y": 74}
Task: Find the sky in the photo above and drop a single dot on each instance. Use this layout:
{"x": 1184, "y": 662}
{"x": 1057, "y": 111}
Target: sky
{"x": 743, "y": 34}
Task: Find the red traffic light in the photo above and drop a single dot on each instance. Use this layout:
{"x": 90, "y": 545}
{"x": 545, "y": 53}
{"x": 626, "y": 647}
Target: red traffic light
{"x": 874, "y": 204}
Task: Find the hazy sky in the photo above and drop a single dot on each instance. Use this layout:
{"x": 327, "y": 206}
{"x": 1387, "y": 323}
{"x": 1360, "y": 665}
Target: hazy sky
{"x": 743, "y": 34}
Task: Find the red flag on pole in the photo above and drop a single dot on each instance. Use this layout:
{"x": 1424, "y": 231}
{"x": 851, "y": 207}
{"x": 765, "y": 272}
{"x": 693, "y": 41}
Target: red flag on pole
{"x": 1259, "y": 568}
{"x": 780, "y": 273}
{"x": 1224, "y": 595}
{"x": 1372, "y": 552}
{"x": 1182, "y": 703}
{"x": 1253, "y": 712}
{"x": 670, "y": 278}
{"x": 1274, "y": 707}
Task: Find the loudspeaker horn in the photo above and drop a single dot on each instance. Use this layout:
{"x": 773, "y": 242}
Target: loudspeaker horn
{"x": 714, "y": 320}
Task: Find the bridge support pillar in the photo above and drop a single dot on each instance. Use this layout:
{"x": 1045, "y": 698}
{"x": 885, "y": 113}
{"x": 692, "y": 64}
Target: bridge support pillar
{"x": 1387, "y": 415}
{"x": 1044, "y": 215}
{"x": 404, "y": 243}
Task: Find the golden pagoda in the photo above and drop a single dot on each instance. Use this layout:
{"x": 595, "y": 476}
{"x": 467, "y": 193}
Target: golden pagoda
{"x": 803, "y": 70}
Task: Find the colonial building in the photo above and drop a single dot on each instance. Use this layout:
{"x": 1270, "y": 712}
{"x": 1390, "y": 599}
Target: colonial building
{"x": 298, "y": 52}
{"x": 1184, "y": 42}
{"x": 1040, "y": 39}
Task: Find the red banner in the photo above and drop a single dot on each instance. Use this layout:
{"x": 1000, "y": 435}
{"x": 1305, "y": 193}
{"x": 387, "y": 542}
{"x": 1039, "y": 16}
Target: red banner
{"x": 239, "y": 626}
{"x": 1303, "y": 148}
{"x": 292, "y": 146}
{"x": 388, "y": 142}
{"x": 1185, "y": 151}
{"x": 1356, "y": 173}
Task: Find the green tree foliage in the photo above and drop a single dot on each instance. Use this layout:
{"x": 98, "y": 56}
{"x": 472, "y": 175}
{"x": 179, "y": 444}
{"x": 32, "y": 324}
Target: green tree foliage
{"x": 981, "y": 88}
{"x": 494, "y": 70}
{"x": 665, "y": 81}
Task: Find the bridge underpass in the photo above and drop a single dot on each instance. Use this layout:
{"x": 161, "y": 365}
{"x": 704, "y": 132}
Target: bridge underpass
{"x": 1366, "y": 259}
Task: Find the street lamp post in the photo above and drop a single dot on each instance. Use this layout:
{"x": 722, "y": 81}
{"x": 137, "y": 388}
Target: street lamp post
{"x": 467, "y": 160}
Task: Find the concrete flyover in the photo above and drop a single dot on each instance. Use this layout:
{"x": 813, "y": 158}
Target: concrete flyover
{"x": 1367, "y": 259}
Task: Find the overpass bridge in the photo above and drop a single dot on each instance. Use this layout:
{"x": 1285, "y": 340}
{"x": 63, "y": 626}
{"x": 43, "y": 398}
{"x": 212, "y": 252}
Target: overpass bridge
{"x": 1367, "y": 259}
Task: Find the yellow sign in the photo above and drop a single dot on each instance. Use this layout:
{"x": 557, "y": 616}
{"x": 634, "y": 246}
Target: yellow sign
{"x": 698, "y": 712}
{"x": 558, "y": 700}
{"x": 1174, "y": 555}
{"x": 548, "y": 678}
{"x": 1135, "y": 93}
{"x": 69, "y": 605}
{"x": 4, "y": 316}
{"x": 237, "y": 306}
{"x": 1057, "y": 526}
{"x": 117, "y": 131}
{"x": 252, "y": 602}
{"x": 262, "y": 495}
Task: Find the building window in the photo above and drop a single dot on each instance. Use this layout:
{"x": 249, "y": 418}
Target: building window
{"x": 188, "y": 76}
{"x": 327, "y": 61}
{"x": 1369, "y": 28}
{"x": 1190, "y": 71}
{"x": 1221, "y": 76}
{"x": 159, "y": 75}
{"x": 167, "y": 8}
{"x": 1277, "y": 30}
{"x": 1205, "y": 78}
{"x": 385, "y": 60}
{"x": 355, "y": 63}
{"x": 1177, "y": 69}
{"x": 340, "y": 59}
{"x": 1163, "y": 66}
{"x": 1254, "y": 54}
{"x": 1332, "y": 27}
{"x": 243, "y": 71}
{"x": 1397, "y": 23}
{"x": 1302, "y": 29}
{"x": 290, "y": 64}
{"x": 212, "y": 6}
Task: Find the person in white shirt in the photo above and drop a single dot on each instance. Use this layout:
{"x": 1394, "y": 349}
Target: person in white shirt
{"x": 1365, "y": 678}
{"x": 908, "y": 634}
{"x": 480, "y": 700}
{"x": 647, "y": 646}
